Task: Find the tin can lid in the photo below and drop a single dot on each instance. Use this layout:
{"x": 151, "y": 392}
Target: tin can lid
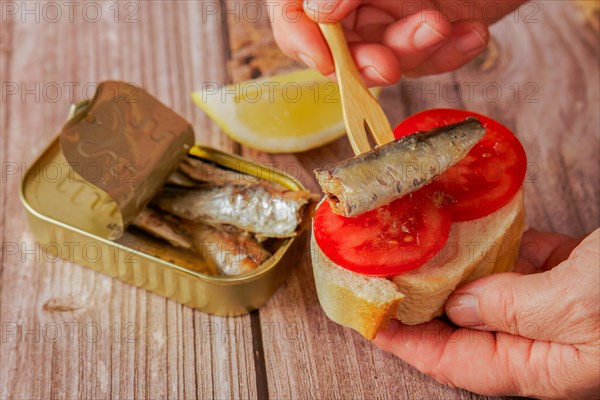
{"x": 125, "y": 143}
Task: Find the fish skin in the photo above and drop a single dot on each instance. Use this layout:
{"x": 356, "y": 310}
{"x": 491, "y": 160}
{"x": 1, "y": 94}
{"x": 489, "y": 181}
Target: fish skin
{"x": 257, "y": 208}
{"x": 155, "y": 224}
{"x": 178, "y": 178}
{"x": 386, "y": 173}
{"x": 186, "y": 258}
{"x": 229, "y": 252}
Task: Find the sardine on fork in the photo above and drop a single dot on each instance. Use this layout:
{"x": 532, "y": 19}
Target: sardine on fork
{"x": 383, "y": 174}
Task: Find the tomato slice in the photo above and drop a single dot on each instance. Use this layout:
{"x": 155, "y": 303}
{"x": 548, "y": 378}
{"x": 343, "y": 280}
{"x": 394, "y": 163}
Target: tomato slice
{"x": 487, "y": 178}
{"x": 392, "y": 239}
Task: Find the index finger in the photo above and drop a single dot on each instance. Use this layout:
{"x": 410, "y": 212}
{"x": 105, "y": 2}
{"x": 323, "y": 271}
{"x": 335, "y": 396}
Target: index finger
{"x": 298, "y": 36}
{"x": 541, "y": 251}
{"x": 488, "y": 363}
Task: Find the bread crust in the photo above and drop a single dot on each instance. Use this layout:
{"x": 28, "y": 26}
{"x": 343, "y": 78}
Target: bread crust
{"x": 357, "y": 301}
{"x": 474, "y": 249}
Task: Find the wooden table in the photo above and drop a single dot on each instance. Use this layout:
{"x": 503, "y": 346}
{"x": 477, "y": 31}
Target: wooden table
{"x": 68, "y": 332}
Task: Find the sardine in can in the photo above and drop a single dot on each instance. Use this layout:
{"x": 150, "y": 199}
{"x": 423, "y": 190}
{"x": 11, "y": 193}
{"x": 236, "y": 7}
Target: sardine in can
{"x": 113, "y": 155}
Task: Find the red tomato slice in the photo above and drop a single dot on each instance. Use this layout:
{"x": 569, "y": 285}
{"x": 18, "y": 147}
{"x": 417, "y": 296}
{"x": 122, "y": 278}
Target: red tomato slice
{"x": 392, "y": 239}
{"x": 487, "y": 178}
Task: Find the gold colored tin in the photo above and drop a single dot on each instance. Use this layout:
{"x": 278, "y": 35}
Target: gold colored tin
{"x": 61, "y": 205}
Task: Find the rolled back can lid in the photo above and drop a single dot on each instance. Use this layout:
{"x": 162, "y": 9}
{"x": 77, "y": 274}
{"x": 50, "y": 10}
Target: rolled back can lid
{"x": 125, "y": 143}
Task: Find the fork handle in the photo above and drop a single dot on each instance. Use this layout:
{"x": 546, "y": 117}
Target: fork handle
{"x": 344, "y": 63}
{"x": 352, "y": 88}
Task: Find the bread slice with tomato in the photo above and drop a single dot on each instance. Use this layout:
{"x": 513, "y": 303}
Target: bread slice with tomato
{"x": 362, "y": 282}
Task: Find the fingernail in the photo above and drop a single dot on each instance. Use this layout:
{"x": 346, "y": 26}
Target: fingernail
{"x": 307, "y": 60}
{"x": 372, "y": 71}
{"x": 463, "y": 310}
{"x": 320, "y": 8}
{"x": 425, "y": 37}
{"x": 469, "y": 42}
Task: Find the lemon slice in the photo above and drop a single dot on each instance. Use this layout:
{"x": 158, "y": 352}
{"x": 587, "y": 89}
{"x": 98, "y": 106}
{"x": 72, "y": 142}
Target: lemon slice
{"x": 284, "y": 113}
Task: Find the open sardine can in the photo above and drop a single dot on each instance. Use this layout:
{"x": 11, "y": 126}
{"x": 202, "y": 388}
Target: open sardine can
{"x": 112, "y": 157}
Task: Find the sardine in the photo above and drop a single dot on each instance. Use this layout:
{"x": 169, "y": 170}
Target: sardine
{"x": 230, "y": 252}
{"x": 155, "y": 224}
{"x": 202, "y": 171}
{"x": 260, "y": 208}
{"x": 388, "y": 172}
{"x": 186, "y": 258}
{"x": 178, "y": 178}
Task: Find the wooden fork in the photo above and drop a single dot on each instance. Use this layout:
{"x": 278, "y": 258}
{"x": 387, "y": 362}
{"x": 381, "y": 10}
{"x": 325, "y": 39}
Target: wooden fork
{"x": 362, "y": 113}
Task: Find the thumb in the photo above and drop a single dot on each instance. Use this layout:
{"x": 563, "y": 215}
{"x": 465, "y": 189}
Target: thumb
{"x": 330, "y": 11}
{"x": 560, "y": 304}
{"x": 522, "y": 305}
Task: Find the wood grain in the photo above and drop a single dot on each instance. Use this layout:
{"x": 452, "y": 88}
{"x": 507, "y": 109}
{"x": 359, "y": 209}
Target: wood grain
{"x": 150, "y": 347}
{"x": 551, "y": 105}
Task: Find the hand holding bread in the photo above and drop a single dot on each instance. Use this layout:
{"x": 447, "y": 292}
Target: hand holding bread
{"x": 534, "y": 332}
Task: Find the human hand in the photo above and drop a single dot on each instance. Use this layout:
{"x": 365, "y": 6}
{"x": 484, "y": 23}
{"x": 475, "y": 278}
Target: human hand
{"x": 535, "y": 332}
{"x": 389, "y": 38}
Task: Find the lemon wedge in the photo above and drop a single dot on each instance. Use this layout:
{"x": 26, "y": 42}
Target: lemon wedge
{"x": 278, "y": 114}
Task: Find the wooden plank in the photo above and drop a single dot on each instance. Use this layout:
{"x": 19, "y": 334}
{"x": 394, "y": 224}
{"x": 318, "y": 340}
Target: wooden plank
{"x": 149, "y": 346}
{"x": 253, "y": 51}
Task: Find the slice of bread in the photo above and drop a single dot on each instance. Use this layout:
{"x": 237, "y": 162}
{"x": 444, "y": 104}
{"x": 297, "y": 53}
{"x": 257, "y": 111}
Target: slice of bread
{"x": 474, "y": 249}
